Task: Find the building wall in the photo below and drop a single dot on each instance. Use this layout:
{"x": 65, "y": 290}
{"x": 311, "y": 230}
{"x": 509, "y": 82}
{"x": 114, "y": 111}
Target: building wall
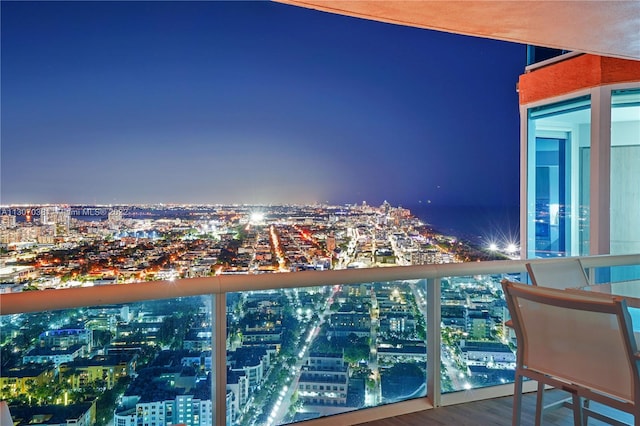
{"x": 581, "y": 72}
{"x": 20, "y": 384}
{"x": 597, "y": 157}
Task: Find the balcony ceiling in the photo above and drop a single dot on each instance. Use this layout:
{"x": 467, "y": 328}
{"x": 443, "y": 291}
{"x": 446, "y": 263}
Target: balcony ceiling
{"x": 607, "y": 28}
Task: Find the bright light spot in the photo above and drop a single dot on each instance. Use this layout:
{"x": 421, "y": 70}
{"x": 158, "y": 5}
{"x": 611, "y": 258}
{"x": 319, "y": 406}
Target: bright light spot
{"x": 257, "y": 217}
{"x": 511, "y": 248}
{"x": 493, "y": 247}
{"x": 467, "y": 386}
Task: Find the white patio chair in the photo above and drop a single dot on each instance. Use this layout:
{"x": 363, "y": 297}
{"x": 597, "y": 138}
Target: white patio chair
{"x": 577, "y": 342}
{"x": 558, "y": 273}
{"x": 561, "y": 274}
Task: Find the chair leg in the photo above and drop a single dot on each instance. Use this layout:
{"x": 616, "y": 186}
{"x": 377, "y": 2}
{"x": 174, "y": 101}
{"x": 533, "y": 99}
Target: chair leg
{"x": 539, "y": 403}
{"x": 517, "y": 399}
{"x": 585, "y": 413}
{"x": 576, "y": 401}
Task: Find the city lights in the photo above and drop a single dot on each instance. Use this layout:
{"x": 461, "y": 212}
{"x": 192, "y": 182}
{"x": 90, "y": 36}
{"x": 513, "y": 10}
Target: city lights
{"x": 351, "y": 335}
{"x": 256, "y": 218}
{"x": 507, "y": 247}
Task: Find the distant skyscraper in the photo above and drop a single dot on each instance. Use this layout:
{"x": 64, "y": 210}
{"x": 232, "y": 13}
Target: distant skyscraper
{"x": 114, "y": 218}
{"x": 386, "y": 207}
{"x": 7, "y": 221}
{"x": 45, "y": 215}
{"x": 331, "y": 242}
{"x": 58, "y": 216}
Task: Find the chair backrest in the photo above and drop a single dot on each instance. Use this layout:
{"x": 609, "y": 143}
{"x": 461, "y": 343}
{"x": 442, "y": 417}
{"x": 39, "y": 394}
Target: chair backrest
{"x": 558, "y": 273}
{"x": 5, "y": 415}
{"x": 576, "y": 338}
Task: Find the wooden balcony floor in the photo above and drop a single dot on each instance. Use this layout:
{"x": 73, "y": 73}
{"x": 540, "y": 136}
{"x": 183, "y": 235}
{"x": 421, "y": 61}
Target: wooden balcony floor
{"x": 492, "y": 412}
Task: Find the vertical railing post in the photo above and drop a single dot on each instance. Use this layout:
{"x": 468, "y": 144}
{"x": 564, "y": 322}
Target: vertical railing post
{"x": 600, "y": 172}
{"x": 591, "y": 275}
{"x": 434, "y": 343}
{"x": 219, "y": 358}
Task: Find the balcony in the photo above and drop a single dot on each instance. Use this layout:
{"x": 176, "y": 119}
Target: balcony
{"x": 423, "y": 287}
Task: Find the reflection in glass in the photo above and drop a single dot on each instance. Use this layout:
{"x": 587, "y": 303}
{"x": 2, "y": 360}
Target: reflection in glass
{"x": 558, "y": 179}
{"x": 625, "y": 157}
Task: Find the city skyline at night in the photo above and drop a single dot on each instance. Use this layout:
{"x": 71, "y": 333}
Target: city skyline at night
{"x": 254, "y": 213}
{"x": 250, "y": 102}
{"x": 292, "y": 354}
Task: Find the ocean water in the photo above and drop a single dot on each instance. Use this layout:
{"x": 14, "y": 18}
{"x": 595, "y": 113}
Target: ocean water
{"x": 479, "y": 225}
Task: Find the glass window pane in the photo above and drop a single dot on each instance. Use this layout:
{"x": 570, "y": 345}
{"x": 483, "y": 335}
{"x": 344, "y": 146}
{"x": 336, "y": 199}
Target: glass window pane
{"x": 625, "y": 174}
{"x": 122, "y": 363}
{"x": 625, "y": 171}
{"x": 478, "y": 349}
{"x": 558, "y": 179}
{"x": 296, "y": 354}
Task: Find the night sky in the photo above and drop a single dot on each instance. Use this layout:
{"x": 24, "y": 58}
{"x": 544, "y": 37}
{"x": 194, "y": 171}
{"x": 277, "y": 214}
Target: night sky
{"x": 250, "y": 102}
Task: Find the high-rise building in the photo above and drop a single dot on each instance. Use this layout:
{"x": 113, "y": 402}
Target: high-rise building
{"x": 7, "y": 221}
{"x": 331, "y": 242}
{"x": 580, "y": 144}
{"x": 60, "y": 217}
{"x": 114, "y": 218}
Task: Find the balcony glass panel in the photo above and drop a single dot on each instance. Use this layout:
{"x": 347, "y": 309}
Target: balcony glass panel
{"x": 297, "y": 354}
{"x": 478, "y": 350}
{"x": 372, "y": 334}
{"x": 124, "y": 363}
{"x": 537, "y": 54}
{"x": 558, "y": 179}
{"x": 614, "y": 274}
{"x": 625, "y": 173}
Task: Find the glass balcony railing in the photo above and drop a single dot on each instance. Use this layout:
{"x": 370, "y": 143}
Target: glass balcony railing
{"x": 477, "y": 349}
{"x": 114, "y": 361}
{"x": 265, "y": 349}
{"x": 537, "y": 54}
